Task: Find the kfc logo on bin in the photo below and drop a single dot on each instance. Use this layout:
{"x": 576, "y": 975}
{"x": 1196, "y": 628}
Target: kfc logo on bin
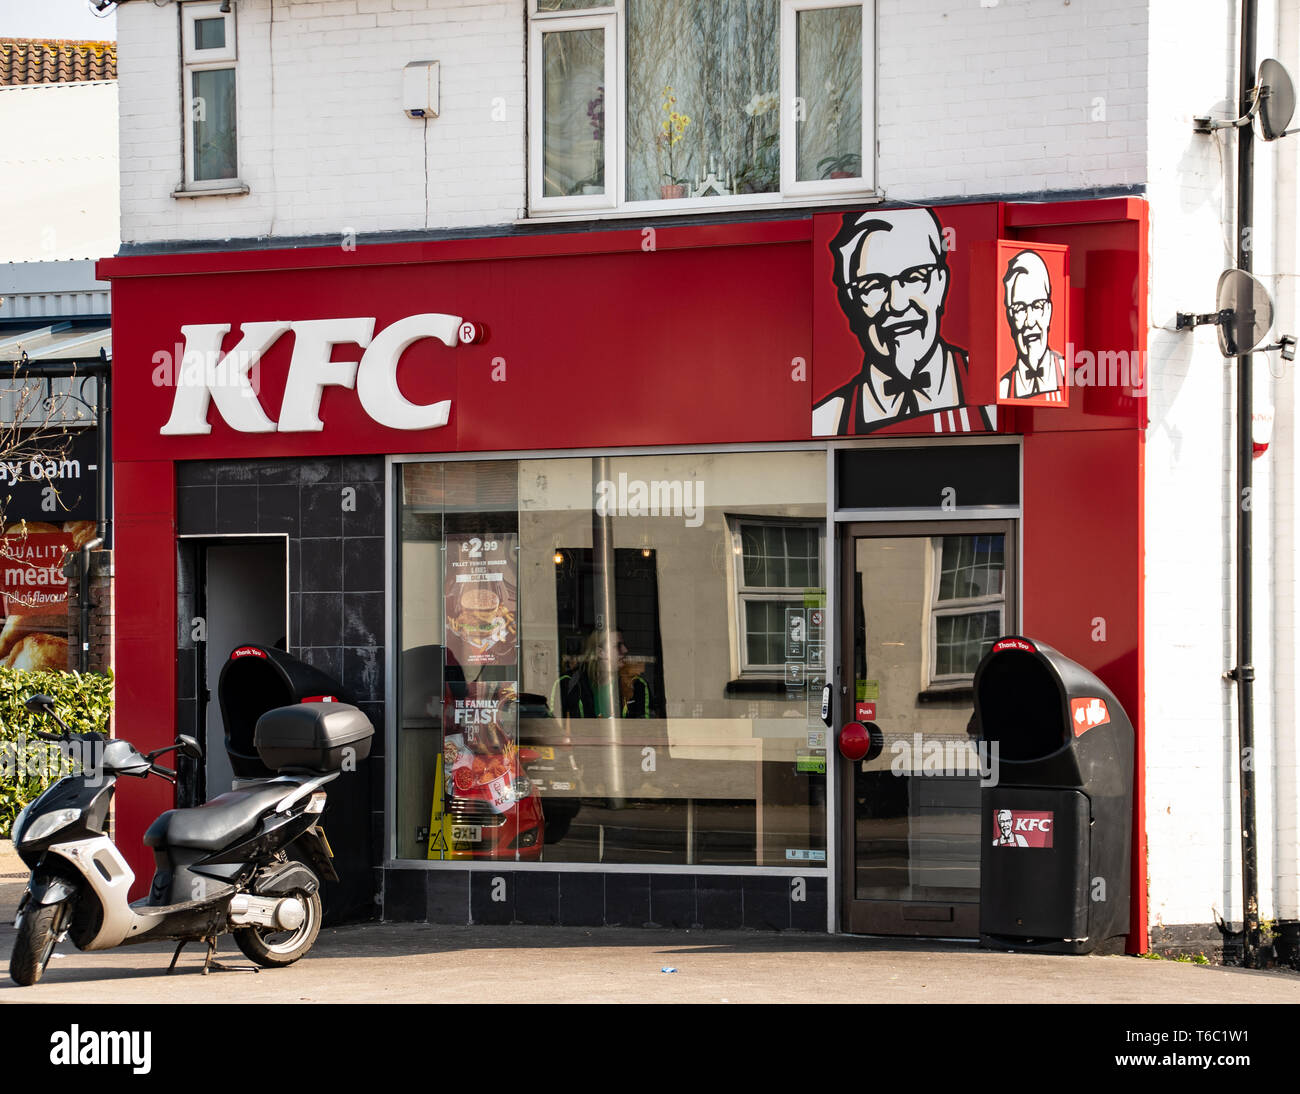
{"x": 1022, "y": 828}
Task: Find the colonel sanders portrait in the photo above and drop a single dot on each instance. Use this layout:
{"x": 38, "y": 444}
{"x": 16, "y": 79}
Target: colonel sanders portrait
{"x": 891, "y": 277}
{"x": 1004, "y": 836}
{"x": 1027, "y": 295}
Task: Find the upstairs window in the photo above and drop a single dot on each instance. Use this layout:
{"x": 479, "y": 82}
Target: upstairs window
{"x": 210, "y": 101}
{"x": 668, "y": 105}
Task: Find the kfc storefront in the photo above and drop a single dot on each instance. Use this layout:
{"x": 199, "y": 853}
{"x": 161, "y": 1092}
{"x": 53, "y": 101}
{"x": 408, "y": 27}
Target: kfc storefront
{"x": 586, "y": 521}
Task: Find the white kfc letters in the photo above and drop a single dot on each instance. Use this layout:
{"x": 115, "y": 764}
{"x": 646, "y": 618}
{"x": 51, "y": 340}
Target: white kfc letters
{"x": 204, "y": 376}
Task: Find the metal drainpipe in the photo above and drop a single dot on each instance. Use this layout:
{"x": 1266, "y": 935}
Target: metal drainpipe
{"x": 101, "y": 507}
{"x": 86, "y": 548}
{"x": 1244, "y": 672}
{"x": 607, "y": 681}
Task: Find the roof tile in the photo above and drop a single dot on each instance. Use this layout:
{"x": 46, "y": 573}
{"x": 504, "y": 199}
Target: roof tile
{"x": 55, "y": 61}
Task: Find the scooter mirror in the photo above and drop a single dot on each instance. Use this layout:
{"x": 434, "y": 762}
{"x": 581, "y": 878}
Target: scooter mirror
{"x": 39, "y": 704}
{"x": 189, "y": 747}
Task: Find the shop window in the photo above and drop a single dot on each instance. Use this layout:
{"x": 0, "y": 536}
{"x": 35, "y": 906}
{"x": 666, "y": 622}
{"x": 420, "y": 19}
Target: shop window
{"x": 210, "y": 102}
{"x": 566, "y": 634}
{"x": 778, "y": 566}
{"x": 967, "y": 606}
{"x": 671, "y": 105}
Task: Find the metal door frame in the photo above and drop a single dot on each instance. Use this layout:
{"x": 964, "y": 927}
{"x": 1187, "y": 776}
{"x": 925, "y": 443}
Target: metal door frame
{"x": 891, "y": 917}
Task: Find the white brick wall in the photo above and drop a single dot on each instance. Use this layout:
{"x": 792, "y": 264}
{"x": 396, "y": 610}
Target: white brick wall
{"x": 1015, "y": 97}
{"x": 1193, "y": 824}
{"x": 1190, "y": 743}
{"x": 1018, "y": 97}
{"x": 324, "y": 145}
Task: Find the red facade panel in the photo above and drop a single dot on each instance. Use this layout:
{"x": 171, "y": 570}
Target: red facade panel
{"x": 685, "y": 335}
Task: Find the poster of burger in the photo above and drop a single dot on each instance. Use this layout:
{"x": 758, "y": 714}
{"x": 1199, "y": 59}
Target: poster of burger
{"x": 479, "y": 755}
{"x": 482, "y": 597}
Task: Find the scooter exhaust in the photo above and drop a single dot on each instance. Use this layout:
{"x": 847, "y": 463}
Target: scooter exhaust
{"x": 283, "y": 913}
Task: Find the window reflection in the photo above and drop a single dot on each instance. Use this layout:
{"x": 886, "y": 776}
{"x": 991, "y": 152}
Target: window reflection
{"x": 613, "y": 660}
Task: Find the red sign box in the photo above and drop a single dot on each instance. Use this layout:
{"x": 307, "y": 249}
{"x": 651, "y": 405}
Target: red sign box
{"x": 1020, "y": 303}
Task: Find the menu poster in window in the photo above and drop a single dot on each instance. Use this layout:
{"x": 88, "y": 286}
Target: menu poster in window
{"x": 482, "y": 596}
{"x": 479, "y": 753}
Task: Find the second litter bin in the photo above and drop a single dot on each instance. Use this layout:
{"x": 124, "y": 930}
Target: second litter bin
{"x": 1056, "y": 827}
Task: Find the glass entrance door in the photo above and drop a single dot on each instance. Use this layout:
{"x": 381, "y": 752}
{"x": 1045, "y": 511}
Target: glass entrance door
{"x": 920, "y": 606}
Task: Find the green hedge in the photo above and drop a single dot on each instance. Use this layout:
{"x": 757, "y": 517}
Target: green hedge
{"x": 27, "y": 764}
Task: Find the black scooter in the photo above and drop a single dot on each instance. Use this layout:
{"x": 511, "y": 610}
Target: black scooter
{"x": 249, "y": 862}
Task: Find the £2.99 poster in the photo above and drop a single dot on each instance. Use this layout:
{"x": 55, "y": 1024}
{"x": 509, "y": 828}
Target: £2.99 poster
{"x": 482, "y": 598}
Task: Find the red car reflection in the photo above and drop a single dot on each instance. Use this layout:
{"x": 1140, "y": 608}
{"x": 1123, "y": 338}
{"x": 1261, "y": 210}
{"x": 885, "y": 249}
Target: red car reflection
{"x": 495, "y": 810}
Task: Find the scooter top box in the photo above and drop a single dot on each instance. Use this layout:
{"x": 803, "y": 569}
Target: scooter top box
{"x": 315, "y": 736}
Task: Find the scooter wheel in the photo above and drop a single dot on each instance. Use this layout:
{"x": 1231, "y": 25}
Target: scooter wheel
{"x": 35, "y": 943}
{"x": 273, "y": 949}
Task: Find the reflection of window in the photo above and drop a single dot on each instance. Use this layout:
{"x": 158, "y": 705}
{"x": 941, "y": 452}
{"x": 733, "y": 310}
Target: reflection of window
{"x": 689, "y": 101}
{"x": 208, "y": 36}
{"x": 777, "y": 562}
{"x": 967, "y": 604}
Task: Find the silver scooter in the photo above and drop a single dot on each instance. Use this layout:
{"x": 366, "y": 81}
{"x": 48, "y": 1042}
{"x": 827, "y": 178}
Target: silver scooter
{"x": 249, "y": 862}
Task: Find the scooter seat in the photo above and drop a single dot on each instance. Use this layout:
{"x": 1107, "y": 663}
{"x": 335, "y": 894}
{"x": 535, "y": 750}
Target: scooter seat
{"x": 217, "y": 824}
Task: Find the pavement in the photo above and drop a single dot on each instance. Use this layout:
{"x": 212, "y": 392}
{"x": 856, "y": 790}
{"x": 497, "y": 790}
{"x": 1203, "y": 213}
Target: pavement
{"x": 379, "y": 962}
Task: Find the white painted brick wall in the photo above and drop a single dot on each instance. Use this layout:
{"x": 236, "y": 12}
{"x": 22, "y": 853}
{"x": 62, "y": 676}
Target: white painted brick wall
{"x": 323, "y": 142}
{"x": 973, "y": 100}
{"x": 1193, "y": 825}
{"x": 1016, "y": 97}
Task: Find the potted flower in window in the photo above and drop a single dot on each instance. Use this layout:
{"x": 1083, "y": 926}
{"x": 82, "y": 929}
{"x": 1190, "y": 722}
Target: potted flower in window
{"x": 672, "y": 130}
{"x": 760, "y": 173}
{"x": 845, "y": 166}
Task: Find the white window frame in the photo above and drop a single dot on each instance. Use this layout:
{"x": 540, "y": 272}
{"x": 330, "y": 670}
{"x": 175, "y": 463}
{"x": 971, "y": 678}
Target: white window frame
{"x": 790, "y": 185}
{"x": 959, "y": 606}
{"x": 606, "y": 21}
{"x": 610, "y": 17}
{"x": 790, "y": 595}
{"x": 207, "y": 60}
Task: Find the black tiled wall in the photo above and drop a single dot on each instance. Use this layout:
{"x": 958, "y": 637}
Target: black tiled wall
{"x": 540, "y": 897}
{"x": 332, "y": 511}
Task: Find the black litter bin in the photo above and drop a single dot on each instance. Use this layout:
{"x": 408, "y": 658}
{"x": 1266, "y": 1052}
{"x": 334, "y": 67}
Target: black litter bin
{"x": 256, "y": 679}
{"x": 1056, "y": 827}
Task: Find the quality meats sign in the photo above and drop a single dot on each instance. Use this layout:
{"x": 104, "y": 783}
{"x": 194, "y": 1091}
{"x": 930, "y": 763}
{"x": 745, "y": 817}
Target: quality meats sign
{"x": 34, "y": 593}
{"x": 482, "y": 600}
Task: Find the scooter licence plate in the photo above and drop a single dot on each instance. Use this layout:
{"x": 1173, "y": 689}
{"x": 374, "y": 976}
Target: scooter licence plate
{"x": 467, "y": 833}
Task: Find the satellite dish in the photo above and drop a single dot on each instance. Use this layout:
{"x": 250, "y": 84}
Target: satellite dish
{"x": 1276, "y": 99}
{"x": 1250, "y": 311}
